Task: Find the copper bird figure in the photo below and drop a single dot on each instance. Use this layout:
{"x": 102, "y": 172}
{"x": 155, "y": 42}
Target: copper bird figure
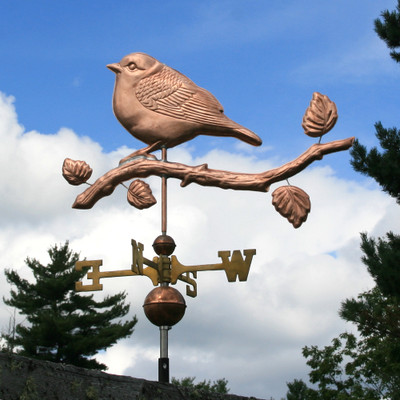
{"x": 162, "y": 107}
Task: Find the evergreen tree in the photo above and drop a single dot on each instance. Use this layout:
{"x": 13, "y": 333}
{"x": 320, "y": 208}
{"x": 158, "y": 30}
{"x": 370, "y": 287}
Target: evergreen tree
{"x": 383, "y": 166}
{"x": 64, "y": 326}
{"x": 389, "y": 30}
{"x": 367, "y": 366}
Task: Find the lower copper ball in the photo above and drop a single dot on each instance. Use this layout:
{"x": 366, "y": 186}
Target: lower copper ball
{"x": 164, "y": 306}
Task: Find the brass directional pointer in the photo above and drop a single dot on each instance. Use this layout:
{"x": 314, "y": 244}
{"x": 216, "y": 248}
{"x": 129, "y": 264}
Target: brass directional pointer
{"x": 166, "y": 269}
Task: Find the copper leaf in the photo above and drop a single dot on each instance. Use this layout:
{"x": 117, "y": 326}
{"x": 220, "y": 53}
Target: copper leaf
{"x": 292, "y": 203}
{"x": 140, "y": 195}
{"x": 76, "y": 172}
{"x": 320, "y": 117}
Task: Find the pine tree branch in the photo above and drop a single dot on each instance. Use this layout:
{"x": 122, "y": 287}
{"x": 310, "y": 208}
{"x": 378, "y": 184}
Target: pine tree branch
{"x": 202, "y": 175}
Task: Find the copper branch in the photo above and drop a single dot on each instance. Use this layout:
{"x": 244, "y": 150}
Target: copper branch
{"x": 202, "y": 175}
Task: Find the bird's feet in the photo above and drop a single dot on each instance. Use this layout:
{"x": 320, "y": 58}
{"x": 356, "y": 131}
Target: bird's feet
{"x": 142, "y": 153}
{"x": 136, "y": 156}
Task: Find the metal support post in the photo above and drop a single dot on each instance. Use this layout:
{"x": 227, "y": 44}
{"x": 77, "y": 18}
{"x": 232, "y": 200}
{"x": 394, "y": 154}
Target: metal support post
{"x": 163, "y": 361}
{"x": 164, "y": 195}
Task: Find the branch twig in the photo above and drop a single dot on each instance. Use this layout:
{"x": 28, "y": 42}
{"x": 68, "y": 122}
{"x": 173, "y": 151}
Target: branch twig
{"x": 204, "y": 176}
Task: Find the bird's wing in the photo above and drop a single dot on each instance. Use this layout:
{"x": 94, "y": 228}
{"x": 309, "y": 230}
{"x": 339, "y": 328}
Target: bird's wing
{"x": 168, "y": 92}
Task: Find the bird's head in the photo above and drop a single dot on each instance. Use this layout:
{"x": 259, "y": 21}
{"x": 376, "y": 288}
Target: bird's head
{"x": 135, "y": 66}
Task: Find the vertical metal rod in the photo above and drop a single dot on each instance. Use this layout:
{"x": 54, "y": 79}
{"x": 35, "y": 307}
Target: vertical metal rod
{"x": 163, "y": 361}
{"x": 164, "y": 341}
{"x": 164, "y": 196}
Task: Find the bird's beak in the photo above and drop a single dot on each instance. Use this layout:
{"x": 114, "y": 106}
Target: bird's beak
{"x": 116, "y": 67}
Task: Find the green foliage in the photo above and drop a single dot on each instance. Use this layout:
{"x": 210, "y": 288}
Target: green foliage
{"x": 64, "y": 326}
{"x": 384, "y": 165}
{"x": 218, "y": 386}
{"x": 374, "y": 314}
{"x": 381, "y": 258}
{"x": 298, "y": 390}
{"x": 389, "y": 30}
{"x": 352, "y": 369}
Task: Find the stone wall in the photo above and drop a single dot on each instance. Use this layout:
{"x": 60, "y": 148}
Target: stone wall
{"x": 24, "y": 378}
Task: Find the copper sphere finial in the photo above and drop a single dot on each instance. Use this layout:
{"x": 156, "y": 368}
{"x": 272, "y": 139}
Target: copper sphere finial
{"x": 164, "y": 306}
{"x": 164, "y": 245}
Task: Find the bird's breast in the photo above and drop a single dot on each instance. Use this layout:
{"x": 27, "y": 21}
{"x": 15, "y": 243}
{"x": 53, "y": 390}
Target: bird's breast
{"x": 145, "y": 124}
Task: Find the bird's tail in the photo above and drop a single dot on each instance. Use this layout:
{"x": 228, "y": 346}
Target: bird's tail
{"x": 240, "y": 132}
{"x": 248, "y": 136}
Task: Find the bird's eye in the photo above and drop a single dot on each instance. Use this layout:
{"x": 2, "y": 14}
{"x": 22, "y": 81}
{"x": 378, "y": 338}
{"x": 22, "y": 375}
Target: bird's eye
{"x": 132, "y": 66}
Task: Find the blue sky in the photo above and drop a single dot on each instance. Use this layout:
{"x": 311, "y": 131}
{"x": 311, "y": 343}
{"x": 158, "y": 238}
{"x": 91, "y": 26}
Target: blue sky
{"x": 262, "y": 60}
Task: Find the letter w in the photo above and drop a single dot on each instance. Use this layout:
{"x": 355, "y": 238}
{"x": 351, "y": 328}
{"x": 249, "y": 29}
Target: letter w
{"x": 236, "y": 266}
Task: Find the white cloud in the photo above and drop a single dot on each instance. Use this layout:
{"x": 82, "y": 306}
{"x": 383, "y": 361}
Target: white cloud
{"x": 296, "y": 283}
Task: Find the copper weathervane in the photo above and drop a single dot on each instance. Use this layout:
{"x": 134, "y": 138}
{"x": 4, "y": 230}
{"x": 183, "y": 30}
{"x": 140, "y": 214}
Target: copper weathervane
{"x": 163, "y": 108}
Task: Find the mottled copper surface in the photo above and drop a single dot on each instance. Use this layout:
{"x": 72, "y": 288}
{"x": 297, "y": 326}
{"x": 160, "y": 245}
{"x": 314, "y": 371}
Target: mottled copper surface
{"x": 76, "y": 172}
{"x": 292, "y": 203}
{"x": 320, "y": 117}
{"x": 202, "y": 175}
{"x": 140, "y": 195}
{"x": 164, "y": 306}
{"x": 162, "y": 107}
{"x": 164, "y": 245}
